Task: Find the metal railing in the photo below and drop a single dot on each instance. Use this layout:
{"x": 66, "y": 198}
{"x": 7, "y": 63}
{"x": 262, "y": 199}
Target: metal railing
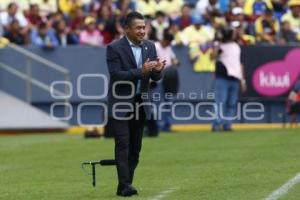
{"x": 32, "y": 81}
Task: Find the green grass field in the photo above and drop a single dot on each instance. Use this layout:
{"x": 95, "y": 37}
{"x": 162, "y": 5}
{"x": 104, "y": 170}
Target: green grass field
{"x": 243, "y": 165}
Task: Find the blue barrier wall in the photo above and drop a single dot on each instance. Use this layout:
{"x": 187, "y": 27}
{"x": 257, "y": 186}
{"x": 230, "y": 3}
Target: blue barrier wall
{"x": 87, "y": 60}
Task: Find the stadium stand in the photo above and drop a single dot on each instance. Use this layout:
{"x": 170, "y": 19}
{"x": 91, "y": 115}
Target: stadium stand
{"x": 265, "y": 20}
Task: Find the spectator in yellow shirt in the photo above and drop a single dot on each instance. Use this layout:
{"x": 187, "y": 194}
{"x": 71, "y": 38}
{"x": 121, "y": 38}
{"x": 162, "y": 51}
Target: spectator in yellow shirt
{"x": 171, "y": 7}
{"x": 146, "y": 7}
{"x": 256, "y": 8}
{"x": 200, "y": 45}
{"x": 293, "y": 16}
{"x": 202, "y": 57}
{"x": 197, "y": 32}
{"x": 267, "y": 28}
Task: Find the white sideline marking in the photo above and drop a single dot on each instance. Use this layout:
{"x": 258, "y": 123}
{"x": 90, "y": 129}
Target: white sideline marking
{"x": 284, "y": 188}
{"x": 163, "y": 194}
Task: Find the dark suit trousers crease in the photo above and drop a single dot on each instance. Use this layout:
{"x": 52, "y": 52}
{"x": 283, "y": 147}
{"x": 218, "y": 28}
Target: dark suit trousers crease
{"x": 128, "y": 143}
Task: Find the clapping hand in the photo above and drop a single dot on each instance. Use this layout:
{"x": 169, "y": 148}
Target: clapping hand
{"x": 160, "y": 65}
{"x": 148, "y": 66}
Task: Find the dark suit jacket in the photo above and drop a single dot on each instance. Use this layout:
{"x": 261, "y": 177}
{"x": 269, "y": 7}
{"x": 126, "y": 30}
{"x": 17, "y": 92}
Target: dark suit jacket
{"x": 122, "y": 67}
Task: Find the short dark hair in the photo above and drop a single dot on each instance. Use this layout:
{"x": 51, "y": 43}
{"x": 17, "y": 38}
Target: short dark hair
{"x": 160, "y": 14}
{"x": 10, "y": 5}
{"x": 268, "y": 11}
{"x": 42, "y": 25}
{"x": 131, "y": 17}
{"x": 227, "y": 34}
{"x": 168, "y": 37}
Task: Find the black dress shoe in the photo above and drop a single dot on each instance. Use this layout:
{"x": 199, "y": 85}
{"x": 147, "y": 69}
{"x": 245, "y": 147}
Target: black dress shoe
{"x": 127, "y": 191}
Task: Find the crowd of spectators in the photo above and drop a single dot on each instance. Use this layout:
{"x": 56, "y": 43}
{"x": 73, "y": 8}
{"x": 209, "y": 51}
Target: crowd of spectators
{"x": 51, "y": 23}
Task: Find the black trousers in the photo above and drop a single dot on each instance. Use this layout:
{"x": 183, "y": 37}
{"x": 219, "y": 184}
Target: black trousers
{"x": 128, "y": 136}
{"x": 295, "y": 108}
{"x": 152, "y": 127}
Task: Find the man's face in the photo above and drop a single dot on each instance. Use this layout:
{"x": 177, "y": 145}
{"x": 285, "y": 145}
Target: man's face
{"x": 61, "y": 25}
{"x": 43, "y": 31}
{"x": 13, "y": 10}
{"x": 186, "y": 11}
{"x": 136, "y": 30}
{"x": 79, "y": 13}
{"x": 91, "y": 27}
{"x": 295, "y": 10}
{"x": 35, "y": 10}
{"x": 160, "y": 19}
{"x": 269, "y": 17}
{"x": 286, "y": 26}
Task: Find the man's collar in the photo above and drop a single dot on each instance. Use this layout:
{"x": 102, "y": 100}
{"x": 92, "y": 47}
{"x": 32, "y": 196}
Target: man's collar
{"x": 132, "y": 44}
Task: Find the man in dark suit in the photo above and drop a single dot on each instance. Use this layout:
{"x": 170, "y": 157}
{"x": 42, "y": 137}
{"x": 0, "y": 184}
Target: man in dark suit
{"x": 132, "y": 62}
